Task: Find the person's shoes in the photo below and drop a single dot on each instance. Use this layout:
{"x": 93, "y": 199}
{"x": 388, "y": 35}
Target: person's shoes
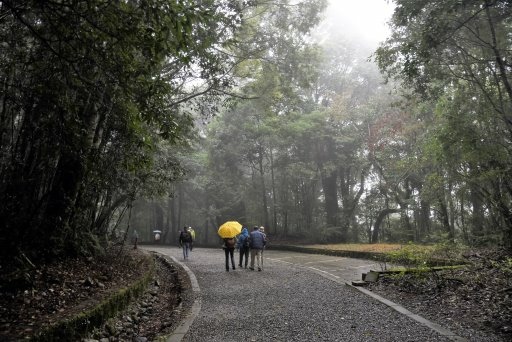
{"x": 227, "y": 269}
{"x": 259, "y": 268}
{"x": 239, "y": 265}
{"x": 233, "y": 268}
{"x": 251, "y": 268}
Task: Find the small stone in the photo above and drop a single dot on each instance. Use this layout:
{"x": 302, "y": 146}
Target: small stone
{"x": 110, "y": 329}
{"x": 372, "y": 276}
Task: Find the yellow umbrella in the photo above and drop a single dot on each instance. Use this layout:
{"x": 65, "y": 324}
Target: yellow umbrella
{"x": 229, "y": 229}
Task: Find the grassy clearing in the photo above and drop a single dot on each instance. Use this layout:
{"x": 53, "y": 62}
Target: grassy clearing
{"x": 408, "y": 255}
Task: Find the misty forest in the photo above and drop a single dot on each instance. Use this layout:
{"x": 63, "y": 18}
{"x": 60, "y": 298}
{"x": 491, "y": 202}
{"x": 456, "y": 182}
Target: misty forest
{"x": 118, "y": 116}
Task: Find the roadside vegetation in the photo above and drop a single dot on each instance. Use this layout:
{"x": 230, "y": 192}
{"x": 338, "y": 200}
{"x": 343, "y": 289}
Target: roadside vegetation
{"x": 447, "y": 283}
{"x": 477, "y": 295}
{"x": 122, "y": 118}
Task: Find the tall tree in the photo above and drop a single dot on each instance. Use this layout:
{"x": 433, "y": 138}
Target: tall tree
{"x": 89, "y": 88}
{"x": 457, "y": 53}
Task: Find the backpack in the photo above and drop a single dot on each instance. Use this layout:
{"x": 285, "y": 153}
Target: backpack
{"x": 245, "y": 243}
{"x": 185, "y": 237}
{"x": 230, "y": 243}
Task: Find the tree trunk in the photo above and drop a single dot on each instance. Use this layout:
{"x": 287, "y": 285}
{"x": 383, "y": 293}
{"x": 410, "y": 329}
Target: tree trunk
{"x": 378, "y": 221}
{"x": 264, "y": 202}
{"x": 477, "y": 215}
{"x": 329, "y": 186}
{"x": 350, "y": 201}
{"x": 274, "y": 199}
{"x": 445, "y": 217}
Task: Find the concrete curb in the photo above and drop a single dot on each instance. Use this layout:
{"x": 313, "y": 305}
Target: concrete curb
{"x": 180, "y": 331}
{"x": 397, "y": 307}
{"x": 434, "y": 326}
{"x": 184, "y": 326}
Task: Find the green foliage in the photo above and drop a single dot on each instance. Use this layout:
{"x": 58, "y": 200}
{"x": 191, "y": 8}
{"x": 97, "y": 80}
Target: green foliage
{"x": 424, "y": 257}
{"x": 410, "y": 255}
{"x": 452, "y": 54}
{"x": 90, "y": 89}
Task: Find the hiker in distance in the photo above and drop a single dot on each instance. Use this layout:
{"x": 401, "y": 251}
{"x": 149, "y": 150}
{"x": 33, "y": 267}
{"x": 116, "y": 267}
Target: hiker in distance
{"x": 265, "y": 242}
{"x": 229, "y": 250}
{"x": 193, "y": 236}
{"x": 243, "y": 247}
{"x": 185, "y": 242}
{"x": 257, "y": 243}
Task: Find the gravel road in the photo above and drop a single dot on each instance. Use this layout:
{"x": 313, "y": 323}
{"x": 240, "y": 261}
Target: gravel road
{"x": 287, "y": 302}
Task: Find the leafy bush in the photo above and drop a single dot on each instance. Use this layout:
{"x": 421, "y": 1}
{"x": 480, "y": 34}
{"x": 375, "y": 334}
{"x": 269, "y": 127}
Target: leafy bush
{"x": 410, "y": 255}
{"x": 421, "y": 256}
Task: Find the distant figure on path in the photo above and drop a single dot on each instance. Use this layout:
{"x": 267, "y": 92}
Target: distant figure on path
{"x": 193, "y": 236}
{"x": 229, "y": 249}
{"x": 257, "y": 243}
{"x": 265, "y": 240}
{"x": 185, "y": 242}
{"x": 135, "y": 238}
{"x": 243, "y": 247}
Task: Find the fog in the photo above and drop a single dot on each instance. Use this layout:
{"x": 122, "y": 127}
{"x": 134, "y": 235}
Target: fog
{"x": 362, "y": 21}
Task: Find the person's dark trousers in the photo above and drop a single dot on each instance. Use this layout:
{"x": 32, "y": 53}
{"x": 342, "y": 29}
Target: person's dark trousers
{"x": 230, "y": 255}
{"x": 244, "y": 252}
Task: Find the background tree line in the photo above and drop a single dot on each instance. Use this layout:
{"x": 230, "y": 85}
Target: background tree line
{"x": 329, "y": 152}
{"x": 108, "y": 122}
{"x": 98, "y": 105}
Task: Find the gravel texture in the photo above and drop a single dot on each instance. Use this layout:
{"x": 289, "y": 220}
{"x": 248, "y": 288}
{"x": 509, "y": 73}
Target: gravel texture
{"x": 288, "y": 303}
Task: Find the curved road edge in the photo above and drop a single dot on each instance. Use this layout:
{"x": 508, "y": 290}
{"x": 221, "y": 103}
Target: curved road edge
{"x": 397, "y": 307}
{"x": 184, "y": 326}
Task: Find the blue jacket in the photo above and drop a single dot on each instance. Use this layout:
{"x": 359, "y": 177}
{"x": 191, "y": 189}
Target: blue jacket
{"x": 257, "y": 240}
{"x": 242, "y": 237}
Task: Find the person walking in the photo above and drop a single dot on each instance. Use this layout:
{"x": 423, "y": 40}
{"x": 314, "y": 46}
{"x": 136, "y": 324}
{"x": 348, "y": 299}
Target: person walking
{"x": 265, "y": 240}
{"x": 135, "y": 238}
{"x": 185, "y": 242}
{"x": 243, "y": 247}
{"x": 193, "y": 237}
{"x": 229, "y": 250}
{"x": 257, "y": 243}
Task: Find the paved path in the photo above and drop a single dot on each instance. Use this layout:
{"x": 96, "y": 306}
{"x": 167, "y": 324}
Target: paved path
{"x": 289, "y": 301}
{"x": 341, "y": 268}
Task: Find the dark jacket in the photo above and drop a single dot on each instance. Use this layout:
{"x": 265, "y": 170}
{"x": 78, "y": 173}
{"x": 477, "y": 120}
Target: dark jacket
{"x": 185, "y": 237}
{"x": 257, "y": 240}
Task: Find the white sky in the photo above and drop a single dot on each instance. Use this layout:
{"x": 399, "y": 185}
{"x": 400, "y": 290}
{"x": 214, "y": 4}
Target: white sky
{"x": 361, "y": 20}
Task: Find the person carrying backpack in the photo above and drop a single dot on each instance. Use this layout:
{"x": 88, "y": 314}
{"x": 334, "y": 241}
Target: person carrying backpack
{"x": 193, "y": 236}
{"x": 185, "y": 242}
{"x": 243, "y": 247}
{"x": 257, "y": 244}
{"x": 229, "y": 249}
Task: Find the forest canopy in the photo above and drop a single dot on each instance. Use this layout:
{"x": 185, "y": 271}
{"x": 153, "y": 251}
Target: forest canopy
{"x": 153, "y": 115}
{"x": 98, "y": 97}
{"x": 335, "y": 149}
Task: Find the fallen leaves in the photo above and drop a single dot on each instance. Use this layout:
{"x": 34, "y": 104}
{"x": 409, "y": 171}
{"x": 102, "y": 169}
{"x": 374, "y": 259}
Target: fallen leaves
{"x": 62, "y": 290}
